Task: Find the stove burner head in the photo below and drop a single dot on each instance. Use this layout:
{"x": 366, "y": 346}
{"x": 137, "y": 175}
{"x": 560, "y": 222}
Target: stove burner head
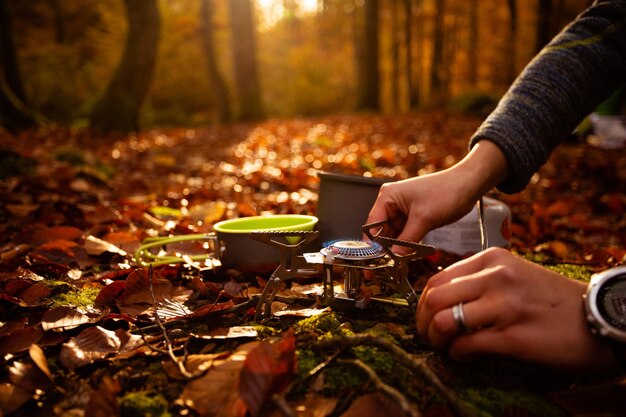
{"x": 353, "y": 250}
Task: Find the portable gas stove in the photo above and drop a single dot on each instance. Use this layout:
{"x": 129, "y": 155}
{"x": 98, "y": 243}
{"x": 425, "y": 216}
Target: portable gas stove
{"x": 354, "y": 256}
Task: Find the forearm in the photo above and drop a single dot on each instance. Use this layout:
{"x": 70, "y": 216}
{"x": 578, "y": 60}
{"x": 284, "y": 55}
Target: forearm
{"x": 563, "y": 84}
{"x": 484, "y": 167}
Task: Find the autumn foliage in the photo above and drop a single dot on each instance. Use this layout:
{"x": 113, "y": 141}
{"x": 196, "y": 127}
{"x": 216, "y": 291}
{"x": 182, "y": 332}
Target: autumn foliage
{"x": 86, "y": 327}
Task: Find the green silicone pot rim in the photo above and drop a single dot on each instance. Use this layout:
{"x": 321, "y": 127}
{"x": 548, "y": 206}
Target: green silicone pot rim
{"x": 287, "y": 222}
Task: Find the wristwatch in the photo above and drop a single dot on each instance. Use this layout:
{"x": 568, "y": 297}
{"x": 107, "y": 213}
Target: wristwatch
{"x": 605, "y": 309}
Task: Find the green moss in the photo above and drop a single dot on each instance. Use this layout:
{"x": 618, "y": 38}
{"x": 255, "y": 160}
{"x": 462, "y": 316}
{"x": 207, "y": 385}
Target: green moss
{"x": 306, "y": 361}
{"x": 341, "y": 377}
{"x": 13, "y": 164}
{"x": 574, "y": 271}
{"x": 265, "y": 331}
{"x": 72, "y": 156}
{"x": 379, "y": 360}
{"x": 142, "y": 404}
{"x": 495, "y": 402}
{"x": 319, "y": 325}
{"x": 80, "y": 298}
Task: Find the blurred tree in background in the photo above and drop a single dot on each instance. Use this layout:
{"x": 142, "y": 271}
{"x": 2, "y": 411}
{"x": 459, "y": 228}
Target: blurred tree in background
{"x": 13, "y": 112}
{"x": 118, "y": 108}
{"x": 221, "y": 61}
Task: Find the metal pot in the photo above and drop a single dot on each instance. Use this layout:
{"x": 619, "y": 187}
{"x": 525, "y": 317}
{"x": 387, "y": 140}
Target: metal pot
{"x": 237, "y": 249}
{"x": 344, "y": 204}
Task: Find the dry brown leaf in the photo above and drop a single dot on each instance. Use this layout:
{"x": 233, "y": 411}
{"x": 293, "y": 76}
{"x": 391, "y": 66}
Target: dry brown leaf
{"x": 103, "y": 401}
{"x": 29, "y": 377}
{"x": 125, "y": 241}
{"x": 21, "y": 339}
{"x": 65, "y": 252}
{"x": 63, "y": 318}
{"x": 33, "y": 295}
{"x": 13, "y": 397}
{"x": 91, "y": 344}
{"x": 194, "y": 364}
{"x": 268, "y": 369}
{"x": 138, "y": 290}
{"x": 97, "y": 246}
{"x": 374, "y": 405}
{"x": 57, "y": 232}
{"x": 233, "y": 332}
{"x": 215, "y": 394}
{"x": 39, "y": 358}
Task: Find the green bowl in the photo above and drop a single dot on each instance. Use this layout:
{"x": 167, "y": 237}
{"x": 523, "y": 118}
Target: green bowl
{"x": 283, "y": 222}
{"x": 238, "y": 249}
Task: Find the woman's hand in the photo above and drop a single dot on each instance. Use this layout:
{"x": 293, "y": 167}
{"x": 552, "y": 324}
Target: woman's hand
{"x": 417, "y": 205}
{"x": 512, "y": 308}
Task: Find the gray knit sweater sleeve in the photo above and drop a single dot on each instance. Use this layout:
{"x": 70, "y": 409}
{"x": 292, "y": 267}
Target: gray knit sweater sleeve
{"x": 559, "y": 87}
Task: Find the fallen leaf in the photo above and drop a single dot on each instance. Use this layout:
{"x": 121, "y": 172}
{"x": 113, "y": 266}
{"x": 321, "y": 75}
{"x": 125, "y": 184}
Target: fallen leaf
{"x": 234, "y": 332}
{"x": 29, "y": 377}
{"x": 96, "y": 246}
{"x": 126, "y": 241}
{"x": 13, "y": 397}
{"x": 57, "y": 233}
{"x": 39, "y": 358}
{"x": 65, "y": 252}
{"x": 268, "y": 369}
{"x": 103, "y": 402}
{"x": 302, "y": 312}
{"x": 63, "y": 318}
{"x": 195, "y": 364}
{"x": 137, "y": 290}
{"x": 374, "y": 405}
{"x": 91, "y": 344}
{"x": 215, "y": 394}
{"x": 34, "y": 293}
{"x": 21, "y": 339}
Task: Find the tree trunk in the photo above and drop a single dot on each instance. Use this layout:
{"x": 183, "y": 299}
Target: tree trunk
{"x": 395, "y": 58}
{"x": 408, "y": 43}
{"x": 118, "y": 108}
{"x": 59, "y": 24}
{"x": 512, "y": 50}
{"x": 220, "y": 92}
{"x": 437, "y": 69}
{"x": 544, "y": 31}
{"x": 367, "y": 59}
{"x": 9, "y": 56}
{"x": 418, "y": 52}
{"x": 473, "y": 44}
{"x": 245, "y": 60}
{"x": 13, "y": 113}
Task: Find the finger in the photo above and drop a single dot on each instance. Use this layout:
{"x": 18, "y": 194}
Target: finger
{"x": 444, "y": 296}
{"x": 414, "y": 230}
{"x": 489, "y": 341}
{"x": 477, "y": 315}
{"x": 468, "y": 266}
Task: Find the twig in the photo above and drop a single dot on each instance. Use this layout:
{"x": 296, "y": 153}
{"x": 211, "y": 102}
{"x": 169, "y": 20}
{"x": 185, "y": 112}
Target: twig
{"x": 188, "y": 320}
{"x": 416, "y": 365}
{"x": 396, "y": 395}
{"x": 283, "y": 406}
{"x": 168, "y": 343}
{"x": 279, "y": 398}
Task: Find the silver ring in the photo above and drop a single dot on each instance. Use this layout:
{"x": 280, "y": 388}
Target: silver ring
{"x": 459, "y": 317}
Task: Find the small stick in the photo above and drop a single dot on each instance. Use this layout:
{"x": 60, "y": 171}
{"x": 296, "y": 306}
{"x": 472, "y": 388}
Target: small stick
{"x": 396, "y": 395}
{"x": 168, "y": 343}
{"x": 418, "y": 366}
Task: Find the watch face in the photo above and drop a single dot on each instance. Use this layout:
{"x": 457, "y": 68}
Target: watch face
{"x": 611, "y": 301}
